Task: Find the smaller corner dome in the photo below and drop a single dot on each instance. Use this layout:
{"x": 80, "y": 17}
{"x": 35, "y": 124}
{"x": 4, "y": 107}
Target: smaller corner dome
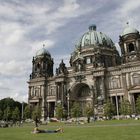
{"x": 129, "y": 30}
{"x": 42, "y": 51}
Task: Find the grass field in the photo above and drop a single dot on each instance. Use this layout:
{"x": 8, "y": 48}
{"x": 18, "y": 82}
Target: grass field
{"x": 106, "y": 130}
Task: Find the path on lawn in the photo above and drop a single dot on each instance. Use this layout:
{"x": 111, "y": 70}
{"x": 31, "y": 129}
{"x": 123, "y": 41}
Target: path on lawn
{"x": 97, "y": 125}
{"x": 105, "y": 125}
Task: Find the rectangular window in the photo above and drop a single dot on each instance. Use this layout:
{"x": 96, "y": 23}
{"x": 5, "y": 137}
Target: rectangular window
{"x": 88, "y": 60}
{"x": 136, "y": 80}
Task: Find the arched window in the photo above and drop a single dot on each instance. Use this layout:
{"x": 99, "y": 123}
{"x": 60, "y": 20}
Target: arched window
{"x": 83, "y": 91}
{"x": 131, "y": 47}
{"x": 38, "y": 65}
{"x": 136, "y": 79}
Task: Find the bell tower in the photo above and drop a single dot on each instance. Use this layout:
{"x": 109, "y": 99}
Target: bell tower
{"x": 42, "y": 69}
{"x": 130, "y": 44}
{"x": 42, "y": 64}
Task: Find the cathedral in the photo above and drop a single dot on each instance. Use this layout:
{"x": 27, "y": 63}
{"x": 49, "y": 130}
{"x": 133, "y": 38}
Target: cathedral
{"x": 97, "y": 73}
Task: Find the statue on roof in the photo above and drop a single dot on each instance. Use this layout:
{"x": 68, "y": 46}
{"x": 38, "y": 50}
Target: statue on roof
{"x": 62, "y": 68}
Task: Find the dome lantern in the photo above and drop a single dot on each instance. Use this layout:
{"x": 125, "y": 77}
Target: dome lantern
{"x": 92, "y": 27}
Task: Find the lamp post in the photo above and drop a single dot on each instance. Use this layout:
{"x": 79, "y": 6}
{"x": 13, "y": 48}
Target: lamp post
{"x": 93, "y": 103}
{"x": 22, "y": 111}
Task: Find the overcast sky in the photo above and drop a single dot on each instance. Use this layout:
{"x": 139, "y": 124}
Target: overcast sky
{"x": 25, "y": 25}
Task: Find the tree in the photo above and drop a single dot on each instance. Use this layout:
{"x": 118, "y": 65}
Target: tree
{"x": 1, "y": 114}
{"x": 138, "y": 105}
{"x": 27, "y": 112}
{"x": 109, "y": 109}
{"x": 76, "y": 111}
{"x": 36, "y": 114}
{"x": 7, "y": 114}
{"x": 16, "y": 114}
{"x": 9, "y": 102}
{"x": 59, "y": 111}
{"x": 125, "y": 108}
{"x": 89, "y": 111}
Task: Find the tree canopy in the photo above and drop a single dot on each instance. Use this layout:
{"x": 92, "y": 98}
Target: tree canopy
{"x": 138, "y": 105}
{"x": 125, "y": 108}
{"x": 9, "y": 107}
{"x": 76, "y": 110}
{"x": 27, "y": 112}
{"x": 109, "y": 109}
{"x": 89, "y": 111}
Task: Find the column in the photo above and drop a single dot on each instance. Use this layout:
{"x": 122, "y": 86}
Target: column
{"x": 133, "y": 103}
{"x": 48, "y": 110}
{"x": 117, "y": 106}
{"x": 43, "y": 102}
{"x": 103, "y": 88}
{"x": 58, "y": 95}
{"x": 56, "y": 92}
{"x": 62, "y": 93}
{"x": 92, "y": 99}
{"x": 68, "y": 103}
{"x": 94, "y": 92}
{"x": 124, "y": 85}
{"x": 111, "y": 99}
{"x": 125, "y": 49}
{"x": 29, "y": 92}
{"x": 121, "y": 98}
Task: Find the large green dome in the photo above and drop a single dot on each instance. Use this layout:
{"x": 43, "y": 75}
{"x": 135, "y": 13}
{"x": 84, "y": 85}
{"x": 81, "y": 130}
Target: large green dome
{"x": 94, "y": 38}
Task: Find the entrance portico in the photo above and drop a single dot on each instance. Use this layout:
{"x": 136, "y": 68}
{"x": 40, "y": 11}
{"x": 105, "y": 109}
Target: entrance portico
{"x": 134, "y": 93}
{"x": 81, "y": 93}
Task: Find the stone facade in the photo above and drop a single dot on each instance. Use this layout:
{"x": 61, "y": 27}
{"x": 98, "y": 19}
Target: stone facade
{"x": 97, "y": 72}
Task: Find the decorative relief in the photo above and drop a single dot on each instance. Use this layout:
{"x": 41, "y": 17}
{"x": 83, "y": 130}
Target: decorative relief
{"x": 35, "y": 92}
{"x": 114, "y": 83}
{"x": 51, "y": 91}
{"x": 79, "y": 78}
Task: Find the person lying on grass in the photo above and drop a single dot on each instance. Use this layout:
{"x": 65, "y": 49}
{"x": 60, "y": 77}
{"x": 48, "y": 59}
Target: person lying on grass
{"x": 36, "y": 130}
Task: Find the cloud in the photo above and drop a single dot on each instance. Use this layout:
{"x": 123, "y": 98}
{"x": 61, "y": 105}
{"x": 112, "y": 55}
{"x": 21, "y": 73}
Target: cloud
{"x": 68, "y": 8}
{"x": 10, "y": 34}
{"x": 13, "y": 68}
{"x": 14, "y": 94}
{"x": 129, "y": 6}
{"x": 20, "y": 97}
{"x": 128, "y": 11}
{"x": 64, "y": 57}
{"x": 62, "y": 15}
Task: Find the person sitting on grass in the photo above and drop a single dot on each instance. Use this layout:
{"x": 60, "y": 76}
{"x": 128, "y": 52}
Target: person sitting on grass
{"x": 36, "y": 130}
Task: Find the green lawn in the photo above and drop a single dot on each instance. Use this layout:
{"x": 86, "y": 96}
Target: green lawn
{"x": 106, "y": 130}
